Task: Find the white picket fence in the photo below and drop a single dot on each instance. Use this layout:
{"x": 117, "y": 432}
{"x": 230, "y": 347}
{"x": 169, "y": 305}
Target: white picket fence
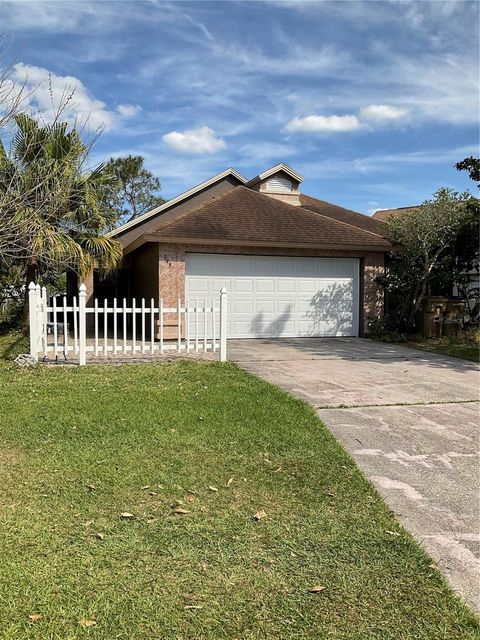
{"x": 59, "y": 329}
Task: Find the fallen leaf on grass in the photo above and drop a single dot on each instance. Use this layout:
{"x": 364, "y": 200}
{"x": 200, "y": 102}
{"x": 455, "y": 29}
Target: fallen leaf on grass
{"x": 259, "y": 515}
{"x": 35, "y": 617}
{"x": 91, "y": 487}
{"x": 193, "y": 606}
{"x": 180, "y": 510}
{"x": 147, "y": 486}
{"x": 191, "y": 499}
{"x": 127, "y": 516}
{"x": 87, "y": 623}
{"x": 229, "y": 482}
{"x": 213, "y": 488}
{"x": 317, "y": 588}
{"x": 392, "y": 533}
{"x": 100, "y": 536}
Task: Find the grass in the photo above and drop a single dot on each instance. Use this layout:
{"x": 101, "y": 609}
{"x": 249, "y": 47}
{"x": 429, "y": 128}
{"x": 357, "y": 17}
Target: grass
{"x": 465, "y": 346}
{"x": 145, "y": 436}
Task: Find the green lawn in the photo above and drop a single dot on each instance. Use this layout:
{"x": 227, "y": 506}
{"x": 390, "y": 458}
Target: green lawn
{"x": 466, "y": 347}
{"x": 146, "y": 436}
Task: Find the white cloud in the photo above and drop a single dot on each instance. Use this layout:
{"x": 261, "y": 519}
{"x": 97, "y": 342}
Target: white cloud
{"x": 47, "y": 92}
{"x": 383, "y": 112}
{"x": 201, "y": 140}
{"x": 129, "y": 110}
{"x": 323, "y": 124}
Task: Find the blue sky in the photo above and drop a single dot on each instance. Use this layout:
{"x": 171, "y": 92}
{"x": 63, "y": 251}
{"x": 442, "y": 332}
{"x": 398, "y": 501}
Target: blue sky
{"x": 373, "y": 102}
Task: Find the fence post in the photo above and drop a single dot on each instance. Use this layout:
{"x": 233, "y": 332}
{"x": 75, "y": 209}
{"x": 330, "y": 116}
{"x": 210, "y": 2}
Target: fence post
{"x": 82, "y": 325}
{"x": 33, "y": 317}
{"x": 223, "y": 324}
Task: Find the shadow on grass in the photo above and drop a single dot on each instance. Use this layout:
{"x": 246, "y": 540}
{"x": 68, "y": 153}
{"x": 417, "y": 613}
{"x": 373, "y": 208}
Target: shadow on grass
{"x": 12, "y": 344}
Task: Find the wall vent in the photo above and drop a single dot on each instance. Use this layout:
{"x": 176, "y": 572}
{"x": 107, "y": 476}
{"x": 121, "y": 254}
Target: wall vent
{"x": 279, "y": 184}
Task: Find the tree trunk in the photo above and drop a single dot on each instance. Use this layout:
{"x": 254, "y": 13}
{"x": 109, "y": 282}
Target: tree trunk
{"x": 30, "y": 276}
{"x": 419, "y": 295}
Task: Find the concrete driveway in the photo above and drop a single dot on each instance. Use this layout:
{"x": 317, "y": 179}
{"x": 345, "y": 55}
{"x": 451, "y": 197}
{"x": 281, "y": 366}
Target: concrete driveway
{"x": 410, "y": 419}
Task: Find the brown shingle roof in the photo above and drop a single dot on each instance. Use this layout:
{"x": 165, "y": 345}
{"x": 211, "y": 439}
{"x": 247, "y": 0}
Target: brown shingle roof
{"x": 385, "y": 214}
{"x": 342, "y": 215}
{"x": 244, "y": 215}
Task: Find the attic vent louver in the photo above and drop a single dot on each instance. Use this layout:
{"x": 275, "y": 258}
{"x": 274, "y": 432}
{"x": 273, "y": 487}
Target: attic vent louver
{"x": 279, "y": 184}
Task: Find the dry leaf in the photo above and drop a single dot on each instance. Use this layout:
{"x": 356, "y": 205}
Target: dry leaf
{"x": 87, "y": 623}
{"x": 127, "y": 516}
{"x": 100, "y": 536}
{"x": 152, "y": 493}
{"x": 317, "y": 588}
{"x": 193, "y": 606}
{"x": 392, "y": 533}
{"x": 213, "y": 488}
{"x": 91, "y": 487}
{"x": 191, "y": 499}
{"x": 259, "y": 515}
{"x": 229, "y": 482}
{"x": 35, "y": 617}
{"x": 147, "y": 486}
{"x": 180, "y": 510}
{"x": 177, "y": 503}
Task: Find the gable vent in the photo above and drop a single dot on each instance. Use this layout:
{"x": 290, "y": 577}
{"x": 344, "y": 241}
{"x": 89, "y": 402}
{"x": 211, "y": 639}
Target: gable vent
{"x": 279, "y": 184}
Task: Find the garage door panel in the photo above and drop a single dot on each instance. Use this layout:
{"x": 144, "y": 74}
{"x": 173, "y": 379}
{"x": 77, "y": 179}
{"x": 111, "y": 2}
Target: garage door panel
{"x": 286, "y": 306}
{"x": 265, "y": 285}
{"x": 243, "y": 306}
{"x": 279, "y": 296}
{"x": 264, "y": 306}
{"x": 286, "y": 286}
{"x": 306, "y": 286}
{"x": 285, "y": 328}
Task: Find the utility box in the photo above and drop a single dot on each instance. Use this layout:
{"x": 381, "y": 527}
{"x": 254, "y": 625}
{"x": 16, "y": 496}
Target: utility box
{"x": 438, "y": 316}
{"x": 453, "y": 317}
{"x": 428, "y": 321}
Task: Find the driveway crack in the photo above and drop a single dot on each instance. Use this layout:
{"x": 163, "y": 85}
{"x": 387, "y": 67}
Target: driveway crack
{"x": 394, "y": 404}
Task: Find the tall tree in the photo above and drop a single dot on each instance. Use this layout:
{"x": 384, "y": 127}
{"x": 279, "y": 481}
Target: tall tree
{"x": 61, "y": 208}
{"x": 427, "y": 240}
{"x": 137, "y": 189}
{"x": 472, "y": 166}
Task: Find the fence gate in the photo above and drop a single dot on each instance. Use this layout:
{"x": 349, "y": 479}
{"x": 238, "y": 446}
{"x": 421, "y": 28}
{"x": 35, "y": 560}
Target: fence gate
{"x": 116, "y": 328}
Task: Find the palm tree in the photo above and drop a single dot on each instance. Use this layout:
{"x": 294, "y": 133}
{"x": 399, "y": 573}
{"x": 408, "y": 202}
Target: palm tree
{"x": 56, "y": 211}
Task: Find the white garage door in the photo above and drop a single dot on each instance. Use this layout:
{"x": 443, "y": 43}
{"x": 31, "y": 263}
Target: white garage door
{"x": 271, "y": 297}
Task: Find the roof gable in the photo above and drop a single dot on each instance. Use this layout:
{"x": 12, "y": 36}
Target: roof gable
{"x": 281, "y": 167}
{"x": 166, "y": 206}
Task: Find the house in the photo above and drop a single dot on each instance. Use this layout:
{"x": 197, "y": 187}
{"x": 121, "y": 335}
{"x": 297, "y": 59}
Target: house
{"x": 292, "y": 265}
{"x": 384, "y": 214}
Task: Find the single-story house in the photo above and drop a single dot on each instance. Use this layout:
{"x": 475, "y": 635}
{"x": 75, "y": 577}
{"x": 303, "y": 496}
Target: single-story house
{"x": 292, "y": 265}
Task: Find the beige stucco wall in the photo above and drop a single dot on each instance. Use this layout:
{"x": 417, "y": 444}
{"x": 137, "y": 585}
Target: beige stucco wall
{"x": 172, "y": 273}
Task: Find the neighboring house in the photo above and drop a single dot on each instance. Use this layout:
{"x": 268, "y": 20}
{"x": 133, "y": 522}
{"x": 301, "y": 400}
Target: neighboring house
{"x": 292, "y": 265}
{"x": 384, "y": 214}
